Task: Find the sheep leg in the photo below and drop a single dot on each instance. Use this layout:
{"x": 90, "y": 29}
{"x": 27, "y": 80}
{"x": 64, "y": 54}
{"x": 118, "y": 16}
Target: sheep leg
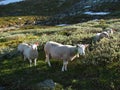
{"x": 24, "y": 58}
{"x": 30, "y": 62}
{"x": 64, "y": 67}
{"x": 35, "y": 61}
{"x": 66, "y": 62}
{"x": 47, "y": 60}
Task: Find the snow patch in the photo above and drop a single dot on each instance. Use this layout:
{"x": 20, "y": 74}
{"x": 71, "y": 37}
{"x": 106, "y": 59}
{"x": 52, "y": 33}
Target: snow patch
{"x": 96, "y": 13}
{"x": 62, "y": 25}
{"x": 4, "y": 2}
{"x": 86, "y": 7}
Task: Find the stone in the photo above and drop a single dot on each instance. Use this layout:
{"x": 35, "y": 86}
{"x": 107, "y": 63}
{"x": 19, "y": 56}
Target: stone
{"x": 2, "y": 88}
{"x": 48, "y": 84}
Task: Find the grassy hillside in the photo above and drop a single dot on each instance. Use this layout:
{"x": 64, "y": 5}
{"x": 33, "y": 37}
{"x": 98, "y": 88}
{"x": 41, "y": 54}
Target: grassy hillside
{"x": 99, "y": 68}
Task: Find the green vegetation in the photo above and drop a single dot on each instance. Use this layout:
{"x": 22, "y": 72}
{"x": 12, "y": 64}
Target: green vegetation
{"x": 108, "y": 6}
{"x": 19, "y": 20}
{"x": 98, "y": 69}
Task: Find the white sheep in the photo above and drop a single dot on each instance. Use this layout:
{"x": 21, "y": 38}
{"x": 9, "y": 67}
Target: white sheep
{"x": 105, "y": 34}
{"x": 31, "y": 53}
{"x": 64, "y": 52}
{"x": 101, "y": 35}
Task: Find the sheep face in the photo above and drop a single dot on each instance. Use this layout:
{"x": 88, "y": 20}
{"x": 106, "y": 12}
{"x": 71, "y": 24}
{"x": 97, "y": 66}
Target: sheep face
{"x": 81, "y": 49}
{"x": 34, "y": 47}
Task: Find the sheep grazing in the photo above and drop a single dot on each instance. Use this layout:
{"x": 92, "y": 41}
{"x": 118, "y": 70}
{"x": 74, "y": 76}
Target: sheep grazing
{"x": 99, "y": 36}
{"x": 105, "y": 34}
{"x": 29, "y": 52}
{"x": 64, "y": 52}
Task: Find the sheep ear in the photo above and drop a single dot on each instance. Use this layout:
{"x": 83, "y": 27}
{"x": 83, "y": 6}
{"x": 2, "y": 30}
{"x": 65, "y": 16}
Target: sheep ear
{"x": 37, "y": 43}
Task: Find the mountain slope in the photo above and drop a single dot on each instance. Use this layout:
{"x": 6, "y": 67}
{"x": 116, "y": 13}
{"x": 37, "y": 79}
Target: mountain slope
{"x": 36, "y": 7}
{"x": 52, "y": 7}
{"x": 61, "y": 11}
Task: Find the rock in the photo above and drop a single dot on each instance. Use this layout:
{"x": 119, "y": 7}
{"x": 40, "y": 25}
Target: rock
{"x": 48, "y": 84}
{"x": 2, "y": 88}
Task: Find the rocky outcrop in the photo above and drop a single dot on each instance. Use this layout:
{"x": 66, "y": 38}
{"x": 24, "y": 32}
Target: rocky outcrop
{"x": 2, "y": 88}
{"x": 47, "y": 84}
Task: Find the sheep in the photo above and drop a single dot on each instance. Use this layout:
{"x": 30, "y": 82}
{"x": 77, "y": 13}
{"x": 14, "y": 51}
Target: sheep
{"x": 29, "y": 52}
{"x": 63, "y": 52}
{"x": 99, "y": 36}
{"x": 105, "y": 34}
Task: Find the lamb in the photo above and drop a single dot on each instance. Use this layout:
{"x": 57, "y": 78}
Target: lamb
{"x": 29, "y": 52}
{"x": 63, "y": 52}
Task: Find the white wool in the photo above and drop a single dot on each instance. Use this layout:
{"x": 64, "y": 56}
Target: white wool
{"x": 22, "y": 46}
{"x": 97, "y": 37}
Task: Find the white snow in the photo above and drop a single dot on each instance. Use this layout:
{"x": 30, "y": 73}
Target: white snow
{"x": 87, "y": 6}
{"x": 96, "y": 13}
{"x": 4, "y": 2}
{"x": 62, "y": 25}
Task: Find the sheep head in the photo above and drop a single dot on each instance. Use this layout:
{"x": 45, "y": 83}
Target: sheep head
{"x": 34, "y": 46}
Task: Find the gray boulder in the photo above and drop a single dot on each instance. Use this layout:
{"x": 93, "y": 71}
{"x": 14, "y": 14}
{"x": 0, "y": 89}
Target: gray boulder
{"x": 48, "y": 84}
{"x": 2, "y": 88}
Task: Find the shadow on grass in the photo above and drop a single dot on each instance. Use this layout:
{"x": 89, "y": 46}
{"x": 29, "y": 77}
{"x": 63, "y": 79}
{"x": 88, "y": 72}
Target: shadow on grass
{"x": 16, "y": 74}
